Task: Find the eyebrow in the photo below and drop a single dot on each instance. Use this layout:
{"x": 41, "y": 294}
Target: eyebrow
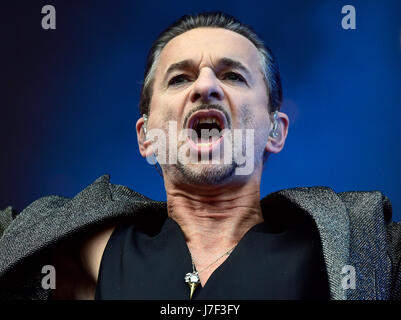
{"x": 190, "y": 64}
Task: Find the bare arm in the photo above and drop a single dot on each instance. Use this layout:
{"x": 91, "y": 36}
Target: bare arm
{"x": 92, "y": 251}
{"x": 77, "y": 265}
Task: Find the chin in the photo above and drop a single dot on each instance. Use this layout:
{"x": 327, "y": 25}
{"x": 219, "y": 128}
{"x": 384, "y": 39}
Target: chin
{"x": 206, "y": 174}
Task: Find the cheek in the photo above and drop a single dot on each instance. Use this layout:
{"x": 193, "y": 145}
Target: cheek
{"x": 168, "y": 106}
{"x": 162, "y": 112}
{"x": 253, "y": 110}
{"x": 254, "y": 115}
{"x": 262, "y": 126}
{"x": 247, "y": 117}
{"x": 256, "y": 118}
{"x": 167, "y": 115}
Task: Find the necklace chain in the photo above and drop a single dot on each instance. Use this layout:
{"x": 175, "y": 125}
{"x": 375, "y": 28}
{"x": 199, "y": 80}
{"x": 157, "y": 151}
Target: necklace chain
{"x": 225, "y": 253}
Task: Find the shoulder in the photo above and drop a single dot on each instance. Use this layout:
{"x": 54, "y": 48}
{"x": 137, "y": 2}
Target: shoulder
{"x": 374, "y": 203}
{"x": 51, "y": 220}
{"x": 364, "y": 212}
{"x": 368, "y": 201}
{"x": 92, "y": 249}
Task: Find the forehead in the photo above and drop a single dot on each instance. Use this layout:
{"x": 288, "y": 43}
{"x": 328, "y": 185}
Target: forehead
{"x": 208, "y": 44}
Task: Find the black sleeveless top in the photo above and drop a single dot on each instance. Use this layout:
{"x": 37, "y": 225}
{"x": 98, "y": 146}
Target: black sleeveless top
{"x": 264, "y": 265}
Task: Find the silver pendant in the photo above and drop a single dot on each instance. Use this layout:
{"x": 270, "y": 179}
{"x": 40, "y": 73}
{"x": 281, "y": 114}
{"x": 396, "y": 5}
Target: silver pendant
{"x": 192, "y": 278}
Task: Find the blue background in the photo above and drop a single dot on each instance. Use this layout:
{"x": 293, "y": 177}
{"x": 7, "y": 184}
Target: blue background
{"x": 70, "y": 95}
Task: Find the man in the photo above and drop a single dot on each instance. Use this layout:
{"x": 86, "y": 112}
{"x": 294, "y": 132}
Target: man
{"x": 213, "y": 238}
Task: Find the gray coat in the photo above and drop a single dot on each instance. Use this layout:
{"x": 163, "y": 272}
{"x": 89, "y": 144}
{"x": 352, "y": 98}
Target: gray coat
{"x": 355, "y": 229}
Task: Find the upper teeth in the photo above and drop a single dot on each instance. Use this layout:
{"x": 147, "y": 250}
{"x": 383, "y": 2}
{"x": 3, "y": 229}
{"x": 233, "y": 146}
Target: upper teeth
{"x": 207, "y": 120}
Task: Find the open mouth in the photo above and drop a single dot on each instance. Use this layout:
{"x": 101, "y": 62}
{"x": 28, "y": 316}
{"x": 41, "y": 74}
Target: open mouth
{"x": 207, "y": 126}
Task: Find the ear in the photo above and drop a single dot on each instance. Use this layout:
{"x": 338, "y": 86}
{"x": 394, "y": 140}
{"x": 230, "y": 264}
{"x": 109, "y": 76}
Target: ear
{"x": 275, "y": 145}
{"x": 145, "y": 146}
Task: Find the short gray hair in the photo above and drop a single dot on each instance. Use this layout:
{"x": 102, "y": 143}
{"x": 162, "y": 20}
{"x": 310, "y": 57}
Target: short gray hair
{"x": 212, "y": 20}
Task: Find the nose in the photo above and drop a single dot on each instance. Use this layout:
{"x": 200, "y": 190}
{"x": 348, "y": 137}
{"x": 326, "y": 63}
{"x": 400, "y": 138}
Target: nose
{"x": 207, "y": 87}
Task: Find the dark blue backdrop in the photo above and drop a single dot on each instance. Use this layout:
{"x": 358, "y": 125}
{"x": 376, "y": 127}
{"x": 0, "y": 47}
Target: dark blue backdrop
{"x": 69, "y": 96}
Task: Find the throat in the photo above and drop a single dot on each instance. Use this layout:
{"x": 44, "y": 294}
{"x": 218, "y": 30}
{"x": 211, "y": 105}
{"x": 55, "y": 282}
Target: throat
{"x": 211, "y": 234}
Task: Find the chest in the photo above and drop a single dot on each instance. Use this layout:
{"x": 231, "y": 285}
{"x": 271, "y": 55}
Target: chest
{"x": 206, "y": 269}
{"x": 262, "y": 266}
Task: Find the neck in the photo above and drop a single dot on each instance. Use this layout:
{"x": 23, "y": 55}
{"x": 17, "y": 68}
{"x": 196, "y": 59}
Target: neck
{"x": 214, "y": 220}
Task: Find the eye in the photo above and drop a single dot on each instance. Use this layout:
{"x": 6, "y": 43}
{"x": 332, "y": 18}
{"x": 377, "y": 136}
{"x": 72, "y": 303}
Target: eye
{"x": 178, "y": 80}
{"x": 232, "y": 76}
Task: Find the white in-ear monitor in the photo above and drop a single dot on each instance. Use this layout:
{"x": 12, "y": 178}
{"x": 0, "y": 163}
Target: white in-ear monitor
{"x": 274, "y": 132}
